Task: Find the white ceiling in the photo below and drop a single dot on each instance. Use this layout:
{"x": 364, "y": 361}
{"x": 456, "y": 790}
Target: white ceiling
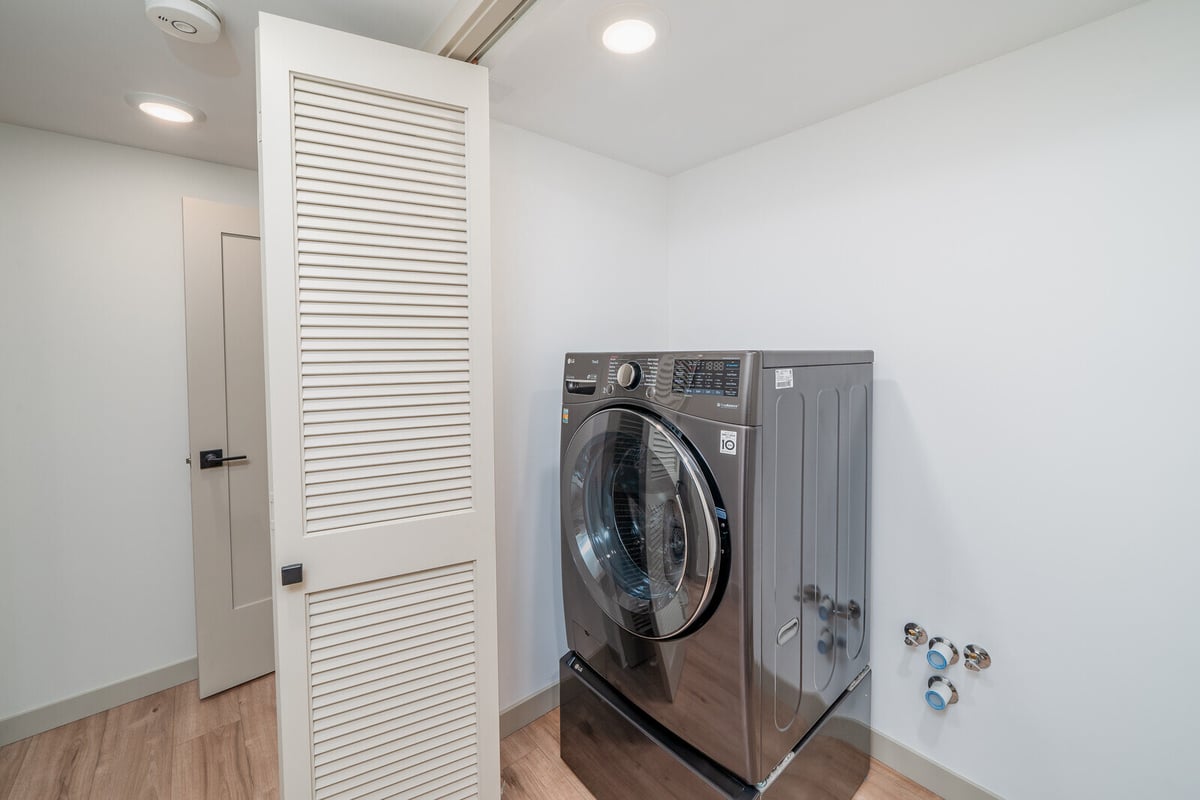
{"x": 727, "y": 74}
{"x": 65, "y": 65}
{"x": 732, "y": 73}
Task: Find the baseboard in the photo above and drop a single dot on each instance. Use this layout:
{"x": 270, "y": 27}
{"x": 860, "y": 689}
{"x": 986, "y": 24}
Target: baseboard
{"x": 523, "y": 712}
{"x": 29, "y": 723}
{"x": 930, "y": 774}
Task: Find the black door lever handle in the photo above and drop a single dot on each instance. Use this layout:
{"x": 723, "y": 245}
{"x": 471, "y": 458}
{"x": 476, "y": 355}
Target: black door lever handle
{"x": 213, "y": 458}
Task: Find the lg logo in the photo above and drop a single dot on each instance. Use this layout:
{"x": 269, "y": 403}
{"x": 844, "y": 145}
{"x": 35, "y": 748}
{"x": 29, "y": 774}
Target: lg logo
{"x": 729, "y": 443}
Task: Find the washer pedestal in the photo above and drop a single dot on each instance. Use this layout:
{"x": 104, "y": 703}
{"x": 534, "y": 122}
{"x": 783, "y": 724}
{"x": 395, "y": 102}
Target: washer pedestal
{"x": 619, "y": 752}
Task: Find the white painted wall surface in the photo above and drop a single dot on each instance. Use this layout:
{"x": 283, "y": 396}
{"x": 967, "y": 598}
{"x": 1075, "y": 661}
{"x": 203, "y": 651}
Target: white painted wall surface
{"x": 95, "y": 530}
{"x": 579, "y": 262}
{"x": 1020, "y": 245}
{"x": 95, "y": 558}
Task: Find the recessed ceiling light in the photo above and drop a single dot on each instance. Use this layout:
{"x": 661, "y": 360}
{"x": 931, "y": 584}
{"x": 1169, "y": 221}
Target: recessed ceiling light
{"x": 627, "y": 36}
{"x": 165, "y": 108}
{"x": 166, "y": 112}
{"x": 629, "y": 28}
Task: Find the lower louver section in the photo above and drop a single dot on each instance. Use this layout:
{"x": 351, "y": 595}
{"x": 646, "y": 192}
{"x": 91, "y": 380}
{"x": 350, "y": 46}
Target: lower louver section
{"x": 392, "y": 665}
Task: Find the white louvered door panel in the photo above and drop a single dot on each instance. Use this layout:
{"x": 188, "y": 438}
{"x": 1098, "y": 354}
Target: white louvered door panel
{"x": 405, "y": 648}
{"x": 373, "y": 170}
{"x": 384, "y": 333}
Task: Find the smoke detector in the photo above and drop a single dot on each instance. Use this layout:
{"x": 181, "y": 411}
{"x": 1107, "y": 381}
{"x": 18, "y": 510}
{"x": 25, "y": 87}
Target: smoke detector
{"x": 189, "y": 20}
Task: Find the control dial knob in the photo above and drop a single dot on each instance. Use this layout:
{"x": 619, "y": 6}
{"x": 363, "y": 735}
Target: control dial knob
{"x": 629, "y": 375}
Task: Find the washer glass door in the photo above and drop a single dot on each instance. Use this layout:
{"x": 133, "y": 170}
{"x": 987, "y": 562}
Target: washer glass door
{"x": 640, "y": 523}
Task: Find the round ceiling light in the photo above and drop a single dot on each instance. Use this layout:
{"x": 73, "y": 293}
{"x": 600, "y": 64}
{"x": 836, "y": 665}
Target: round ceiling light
{"x": 166, "y": 112}
{"x": 165, "y": 108}
{"x": 628, "y": 36}
{"x": 628, "y": 28}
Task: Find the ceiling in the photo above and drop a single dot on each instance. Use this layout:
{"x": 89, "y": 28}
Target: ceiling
{"x": 67, "y": 65}
{"x": 724, "y": 76}
{"x": 731, "y": 74}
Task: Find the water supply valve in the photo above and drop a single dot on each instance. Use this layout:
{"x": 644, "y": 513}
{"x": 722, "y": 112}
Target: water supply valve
{"x": 942, "y": 653}
{"x": 940, "y": 693}
{"x": 826, "y": 608}
{"x": 914, "y": 635}
{"x": 976, "y": 658}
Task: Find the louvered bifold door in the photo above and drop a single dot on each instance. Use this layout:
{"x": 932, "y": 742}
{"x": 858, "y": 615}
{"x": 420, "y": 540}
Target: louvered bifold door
{"x": 374, "y": 176}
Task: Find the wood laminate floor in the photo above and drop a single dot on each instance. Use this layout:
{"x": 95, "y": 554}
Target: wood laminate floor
{"x": 168, "y": 746}
{"x": 174, "y": 746}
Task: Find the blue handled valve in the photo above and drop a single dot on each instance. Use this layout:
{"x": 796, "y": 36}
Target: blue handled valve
{"x": 942, "y": 653}
{"x": 940, "y": 693}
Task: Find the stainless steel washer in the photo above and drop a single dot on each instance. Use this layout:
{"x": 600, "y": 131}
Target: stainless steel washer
{"x": 714, "y": 562}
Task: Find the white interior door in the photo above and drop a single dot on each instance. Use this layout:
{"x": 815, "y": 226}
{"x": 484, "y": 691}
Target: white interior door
{"x": 231, "y": 541}
{"x": 373, "y": 166}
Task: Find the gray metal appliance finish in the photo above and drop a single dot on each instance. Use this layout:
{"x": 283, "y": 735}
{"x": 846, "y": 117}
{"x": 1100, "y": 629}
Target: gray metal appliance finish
{"x": 601, "y": 732}
{"x": 715, "y": 531}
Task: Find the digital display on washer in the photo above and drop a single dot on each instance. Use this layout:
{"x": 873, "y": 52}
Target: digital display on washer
{"x": 717, "y": 376}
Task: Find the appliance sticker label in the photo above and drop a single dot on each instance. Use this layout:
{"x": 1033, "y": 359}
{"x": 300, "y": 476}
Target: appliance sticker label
{"x": 783, "y": 378}
{"x": 566, "y": 415}
{"x": 729, "y": 443}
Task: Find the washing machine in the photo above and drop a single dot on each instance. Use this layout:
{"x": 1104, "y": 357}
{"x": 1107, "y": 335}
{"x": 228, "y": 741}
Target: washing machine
{"x": 715, "y": 525}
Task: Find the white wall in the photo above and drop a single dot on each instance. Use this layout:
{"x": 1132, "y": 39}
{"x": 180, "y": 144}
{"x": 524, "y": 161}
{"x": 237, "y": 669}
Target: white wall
{"x": 579, "y": 262}
{"x": 95, "y": 551}
{"x": 1020, "y": 244}
{"x": 95, "y": 523}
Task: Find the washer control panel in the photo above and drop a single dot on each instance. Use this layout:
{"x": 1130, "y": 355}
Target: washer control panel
{"x": 713, "y": 376}
{"x": 629, "y": 375}
{"x": 720, "y": 386}
{"x": 716, "y": 385}
{"x": 633, "y": 374}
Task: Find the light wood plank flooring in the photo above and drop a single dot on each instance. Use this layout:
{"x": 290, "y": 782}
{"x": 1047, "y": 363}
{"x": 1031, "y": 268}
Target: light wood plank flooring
{"x": 168, "y": 746}
{"x": 173, "y": 746}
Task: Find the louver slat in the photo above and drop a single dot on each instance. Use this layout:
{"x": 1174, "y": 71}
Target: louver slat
{"x": 411, "y": 115}
{"x": 345, "y": 213}
{"x": 350, "y": 192}
{"x": 417, "y": 147}
{"x": 319, "y": 154}
{"x": 421, "y": 108}
{"x": 392, "y": 664}
{"x": 375, "y": 209}
{"x": 330, "y": 219}
{"x": 383, "y": 292}
{"x": 392, "y": 238}
{"x": 379, "y": 453}
{"x": 354, "y": 174}
{"x": 385, "y": 714}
